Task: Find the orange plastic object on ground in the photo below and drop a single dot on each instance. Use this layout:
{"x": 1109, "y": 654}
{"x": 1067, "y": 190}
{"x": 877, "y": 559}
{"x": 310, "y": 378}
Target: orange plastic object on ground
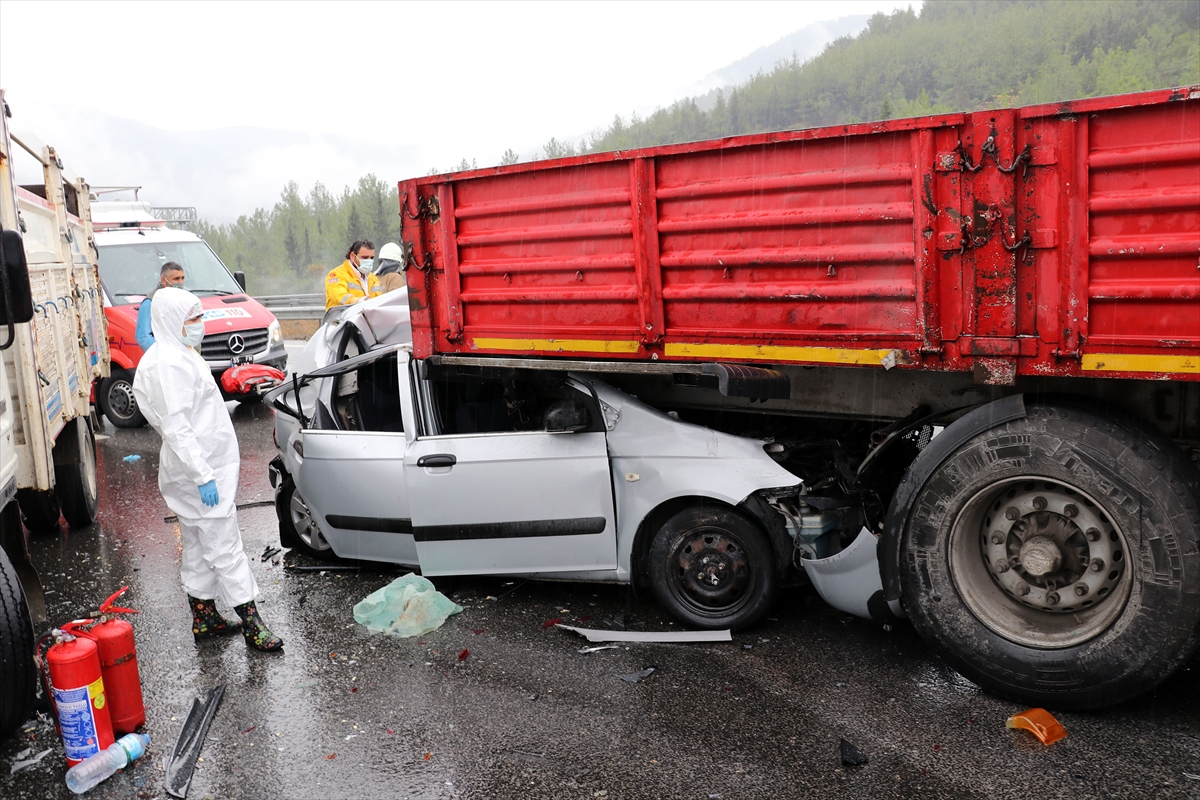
{"x": 1040, "y": 723}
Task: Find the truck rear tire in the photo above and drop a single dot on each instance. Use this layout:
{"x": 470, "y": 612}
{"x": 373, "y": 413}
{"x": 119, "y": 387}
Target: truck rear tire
{"x": 1053, "y": 559}
{"x": 115, "y": 396}
{"x": 17, "y": 676}
{"x": 40, "y": 510}
{"x": 76, "y": 484}
{"x": 711, "y": 568}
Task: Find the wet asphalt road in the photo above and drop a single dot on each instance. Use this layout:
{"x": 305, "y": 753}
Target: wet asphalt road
{"x": 346, "y": 713}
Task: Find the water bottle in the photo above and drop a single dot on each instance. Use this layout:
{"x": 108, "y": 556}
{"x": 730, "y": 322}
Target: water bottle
{"x": 99, "y": 766}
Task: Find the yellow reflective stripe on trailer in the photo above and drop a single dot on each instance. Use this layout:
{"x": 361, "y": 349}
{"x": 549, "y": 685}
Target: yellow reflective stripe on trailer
{"x": 557, "y": 345}
{"x": 743, "y": 352}
{"x": 1139, "y": 362}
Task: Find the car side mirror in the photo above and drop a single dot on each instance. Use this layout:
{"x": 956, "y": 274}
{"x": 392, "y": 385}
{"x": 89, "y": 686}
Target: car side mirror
{"x": 240, "y": 277}
{"x": 567, "y": 416}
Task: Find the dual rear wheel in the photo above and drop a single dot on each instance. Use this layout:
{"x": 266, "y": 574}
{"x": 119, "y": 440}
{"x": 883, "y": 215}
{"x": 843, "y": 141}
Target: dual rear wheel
{"x": 1054, "y": 559}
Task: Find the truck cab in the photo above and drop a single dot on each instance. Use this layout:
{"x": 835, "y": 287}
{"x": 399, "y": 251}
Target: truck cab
{"x": 133, "y": 244}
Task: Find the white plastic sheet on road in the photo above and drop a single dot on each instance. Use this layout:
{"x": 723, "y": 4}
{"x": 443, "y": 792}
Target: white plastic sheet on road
{"x": 662, "y": 637}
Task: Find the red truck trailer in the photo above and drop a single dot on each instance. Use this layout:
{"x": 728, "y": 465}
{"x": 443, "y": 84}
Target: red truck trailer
{"x": 976, "y": 334}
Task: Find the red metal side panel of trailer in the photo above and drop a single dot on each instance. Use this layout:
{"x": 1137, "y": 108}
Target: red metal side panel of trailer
{"x": 1052, "y": 240}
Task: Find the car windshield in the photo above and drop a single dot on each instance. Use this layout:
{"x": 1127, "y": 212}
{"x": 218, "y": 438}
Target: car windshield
{"x": 129, "y": 272}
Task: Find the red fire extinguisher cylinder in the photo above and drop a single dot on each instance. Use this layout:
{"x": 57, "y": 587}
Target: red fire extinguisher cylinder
{"x": 119, "y": 667}
{"x": 77, "y": 688}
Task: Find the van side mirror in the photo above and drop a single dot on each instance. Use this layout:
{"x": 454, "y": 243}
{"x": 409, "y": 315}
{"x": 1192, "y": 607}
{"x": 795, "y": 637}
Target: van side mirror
{"x": 567, "y": 416}
{"x": 240, "y": 277}
{"x": 16, "y": 305}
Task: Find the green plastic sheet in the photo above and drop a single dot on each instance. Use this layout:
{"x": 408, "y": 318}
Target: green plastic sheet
{"x": 408, "y": 606}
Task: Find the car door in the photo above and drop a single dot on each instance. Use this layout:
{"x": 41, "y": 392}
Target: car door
{"x": 511, "y": 502}
{"x": 353, "y": 479}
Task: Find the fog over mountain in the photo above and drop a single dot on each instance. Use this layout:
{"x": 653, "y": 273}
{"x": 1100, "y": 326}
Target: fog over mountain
{"x": 228, "y": 172}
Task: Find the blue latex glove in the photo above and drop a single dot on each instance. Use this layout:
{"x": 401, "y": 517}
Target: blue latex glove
{"x": 208, "y": 493}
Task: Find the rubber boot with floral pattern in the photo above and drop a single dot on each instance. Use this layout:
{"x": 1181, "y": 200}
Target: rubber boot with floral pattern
{"x": 257, "y": 634}
{"x": 207, "y": 621}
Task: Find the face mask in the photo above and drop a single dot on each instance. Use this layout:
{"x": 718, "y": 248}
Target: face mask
{"x": 366, "y": 265}
{"x": 194, "y": 335}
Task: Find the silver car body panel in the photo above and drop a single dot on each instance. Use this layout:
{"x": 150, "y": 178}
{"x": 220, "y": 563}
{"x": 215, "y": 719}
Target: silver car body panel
{"x": 551, "y": 505}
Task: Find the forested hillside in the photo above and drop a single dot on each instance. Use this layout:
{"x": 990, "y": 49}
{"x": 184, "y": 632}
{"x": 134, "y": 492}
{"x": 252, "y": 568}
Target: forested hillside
{"x": 958, "y": 55}
{"x": 955, "y": 55}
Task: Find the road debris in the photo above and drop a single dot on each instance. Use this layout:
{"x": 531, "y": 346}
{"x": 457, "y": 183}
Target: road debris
{"x": 639, "y": 676}
{"x": 23, "y": 761}
{"x": 408, "y": 606}
{"x": 851, "y": 755}
{"x": 131, "y": 458}
{"x": 659, "y": 637}
{"x": 181, "y": 761}
{"x": 270, "y": 553}
{"x": 1041, "y": 723}
{"x": 598, "y": 649}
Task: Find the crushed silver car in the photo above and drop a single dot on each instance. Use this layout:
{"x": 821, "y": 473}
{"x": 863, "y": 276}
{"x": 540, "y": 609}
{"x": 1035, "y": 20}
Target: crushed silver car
{"x": 557, "y": 475}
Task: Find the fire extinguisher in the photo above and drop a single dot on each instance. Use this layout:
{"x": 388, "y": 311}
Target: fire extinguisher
{"x": 99, "y": 648}
{"x": 76, "y": 690}
{"x": 118, "y": 665}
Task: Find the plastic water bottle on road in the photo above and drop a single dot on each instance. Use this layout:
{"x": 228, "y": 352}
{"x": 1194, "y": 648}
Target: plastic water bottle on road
{"x": 99, "y": 766}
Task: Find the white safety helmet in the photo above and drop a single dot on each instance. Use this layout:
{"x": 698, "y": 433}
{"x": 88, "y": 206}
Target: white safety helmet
{"x": 392, "y": 252}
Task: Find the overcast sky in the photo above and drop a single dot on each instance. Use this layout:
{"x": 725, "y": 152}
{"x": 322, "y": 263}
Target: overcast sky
{"x": 425, "y": 83}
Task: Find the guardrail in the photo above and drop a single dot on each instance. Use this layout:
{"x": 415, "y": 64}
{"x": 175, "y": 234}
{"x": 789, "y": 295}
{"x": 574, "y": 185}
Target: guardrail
{"x": 294, "y": 306}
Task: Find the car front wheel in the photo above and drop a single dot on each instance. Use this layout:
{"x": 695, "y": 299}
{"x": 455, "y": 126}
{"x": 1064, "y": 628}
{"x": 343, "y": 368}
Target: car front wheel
{"x": 712, "y": 568}
{"x": 115, "y": 396}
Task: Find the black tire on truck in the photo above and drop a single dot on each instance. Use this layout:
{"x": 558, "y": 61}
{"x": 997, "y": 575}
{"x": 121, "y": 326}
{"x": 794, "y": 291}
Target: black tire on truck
{"x": 17, "y": 675}
{"x": 39, "y": 509}
{"x": 297, "y": 528}
{"x": 76, "y": 484}
{"x": 711, "y": 568}
{"x": 1053, "y": 559}
{"x": 115, "y": 396}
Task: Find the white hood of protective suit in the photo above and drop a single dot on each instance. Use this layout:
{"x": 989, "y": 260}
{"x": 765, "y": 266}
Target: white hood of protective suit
{"x": 170, "y": 308}
{"x": 179, "y": 397}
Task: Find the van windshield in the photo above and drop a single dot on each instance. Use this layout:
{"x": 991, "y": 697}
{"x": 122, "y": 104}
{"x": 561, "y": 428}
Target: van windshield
{"x": 129, "y": 272}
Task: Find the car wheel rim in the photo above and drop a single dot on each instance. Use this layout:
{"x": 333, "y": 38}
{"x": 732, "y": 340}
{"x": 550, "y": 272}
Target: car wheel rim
{"x": 1040, "y": 563}
{"x": 305, "y": 525}
{"x": 710, "y": 571}
{"x": 121, "y": 400}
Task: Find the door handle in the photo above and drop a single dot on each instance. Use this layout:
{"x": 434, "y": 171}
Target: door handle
{"x": 437, "y": 460}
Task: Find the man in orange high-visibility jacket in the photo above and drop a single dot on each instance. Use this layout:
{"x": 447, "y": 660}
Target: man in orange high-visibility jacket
{"x": 354, "y": 280}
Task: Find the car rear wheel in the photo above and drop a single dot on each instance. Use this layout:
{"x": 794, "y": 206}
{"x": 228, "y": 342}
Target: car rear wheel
{"x": 297, "y": 527}
{"x": 1054, "y": 560}
{"x": 711, "y": 568}
{"x": 115, "y": 396}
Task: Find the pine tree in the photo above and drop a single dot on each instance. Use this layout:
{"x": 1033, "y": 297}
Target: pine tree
{"x": 354, "y": 225}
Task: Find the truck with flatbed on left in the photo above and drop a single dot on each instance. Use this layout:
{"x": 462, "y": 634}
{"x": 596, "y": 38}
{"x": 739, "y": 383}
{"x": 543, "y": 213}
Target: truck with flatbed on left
{"x": 53, "y": 347}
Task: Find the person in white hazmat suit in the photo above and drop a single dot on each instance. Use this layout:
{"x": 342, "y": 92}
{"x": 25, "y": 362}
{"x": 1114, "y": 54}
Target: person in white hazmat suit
{"x": 198, "y": 469}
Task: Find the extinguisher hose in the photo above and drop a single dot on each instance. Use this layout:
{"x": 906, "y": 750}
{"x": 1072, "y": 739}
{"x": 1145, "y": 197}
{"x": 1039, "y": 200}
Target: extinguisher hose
{"x": 43, "y": 672}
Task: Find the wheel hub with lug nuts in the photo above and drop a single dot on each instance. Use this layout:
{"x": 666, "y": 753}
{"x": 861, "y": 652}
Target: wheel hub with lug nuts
{"x": 712, "y": 568}
{"x": 1050, "y": 549}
